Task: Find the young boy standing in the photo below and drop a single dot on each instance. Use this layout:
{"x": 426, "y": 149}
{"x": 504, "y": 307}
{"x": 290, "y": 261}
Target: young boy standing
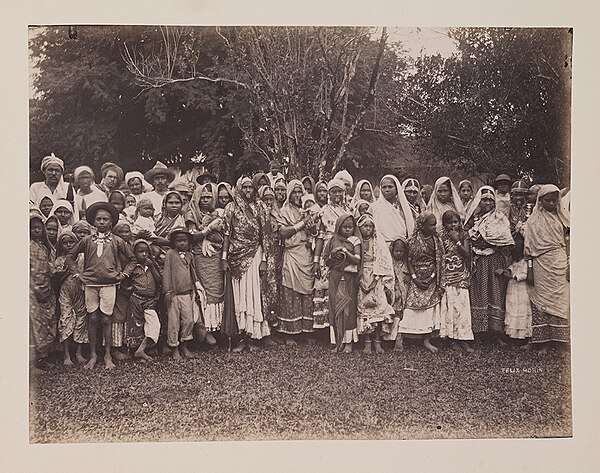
{"x": 101, "y": 274}
{"x": 179, "y": 290}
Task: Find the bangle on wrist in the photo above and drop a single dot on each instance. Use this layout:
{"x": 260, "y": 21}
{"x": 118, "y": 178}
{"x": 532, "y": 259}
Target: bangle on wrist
{"x": 413, "y": 275}
{"x": 316, "y": 259}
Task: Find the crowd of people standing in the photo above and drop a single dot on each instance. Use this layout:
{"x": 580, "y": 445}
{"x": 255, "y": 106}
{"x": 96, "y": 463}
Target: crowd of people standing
{"x": 145, "y": 263}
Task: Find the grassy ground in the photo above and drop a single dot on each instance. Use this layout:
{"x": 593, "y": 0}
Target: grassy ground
{"x": 306, "y": 392}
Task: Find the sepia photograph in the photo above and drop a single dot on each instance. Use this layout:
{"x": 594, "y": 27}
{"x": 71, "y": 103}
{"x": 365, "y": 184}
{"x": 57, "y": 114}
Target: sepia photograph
{"x": 299, "y": 233}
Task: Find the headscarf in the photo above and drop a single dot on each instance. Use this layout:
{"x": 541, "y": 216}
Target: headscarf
{"x": 264, "y": 190}
{"x": 227, "y": 187}
{"x": 390, "y": 224}
{"x": 357, "y": 196}
{"x": 143, "y": 203}
{"x": 290, "y": 188}
{"x": 146, "y": 186}
{"x": 488, "y": 191}
{"x": 344, "y": 176}
{"x": 438, "y": 208}
{"x": 493, "y": 226}
{"x": 429, "y": 189}
{"x": 357, "y": 204}
{"x": 63, "y": 204}
{"x": 413, "y": 184}
{"x": 336, "y": 183}
{"x": 308, "y": 197}
{"x": 165, "y": 224}
{"x": 469, "y": 204}
{"x": 44, "y": 192}
{"x": 82, "y": 169}
{"x": 312, "y": 183}
{"x": 121, "y": 193}
{"x": 544, "y": 230}
{"x": 257, "y": 178}
{"x": 382, "y": 263}
{"x": 60, "y": 241}
{"x": 82, "y": 224}
{"x": 44, "y": 240}
{"x": 279, "y": 182}
{"x": 48, "y": 160}
{"x": 195, "y": 214}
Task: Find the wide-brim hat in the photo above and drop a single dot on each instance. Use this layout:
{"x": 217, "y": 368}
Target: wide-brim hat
{"x": 179, "y": 231}
{"x": 158, "y": 169}
{"x": 90, "y": 213}
{"x": 211, "y": 176}
{"x": 503, "y": 177}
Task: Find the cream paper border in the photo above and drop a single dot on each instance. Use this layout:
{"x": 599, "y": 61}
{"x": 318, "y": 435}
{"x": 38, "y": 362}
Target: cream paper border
{"x": 578, "y": 454}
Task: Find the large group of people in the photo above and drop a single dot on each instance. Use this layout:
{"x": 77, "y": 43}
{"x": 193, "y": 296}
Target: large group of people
{"x": 144, "y": 263}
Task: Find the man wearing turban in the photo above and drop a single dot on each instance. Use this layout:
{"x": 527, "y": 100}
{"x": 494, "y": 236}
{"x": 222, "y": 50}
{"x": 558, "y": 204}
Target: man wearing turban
{"x": 53, "y": 184}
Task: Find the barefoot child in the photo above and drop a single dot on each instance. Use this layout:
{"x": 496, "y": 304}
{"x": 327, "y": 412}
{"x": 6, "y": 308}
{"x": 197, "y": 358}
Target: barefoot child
{"x": 72, "y": 324}
{"x": 179, "y": 290}
{"x": 375, "y": 286}
{"x": 425, "y": 259}
{"x": 342, "y": 255}
{"x": 101, "y": 274}
{"x": 143, "y": 325}
{"x": 456, "y": 305}
{"x": 399, "y": 251}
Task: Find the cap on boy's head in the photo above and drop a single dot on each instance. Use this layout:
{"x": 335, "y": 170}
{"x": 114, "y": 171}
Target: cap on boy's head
{"x": 502, "y": 177}
{"x": 140, "y": 241}
{"x": 178, "y": 231}
{"x": 90, "y": 213}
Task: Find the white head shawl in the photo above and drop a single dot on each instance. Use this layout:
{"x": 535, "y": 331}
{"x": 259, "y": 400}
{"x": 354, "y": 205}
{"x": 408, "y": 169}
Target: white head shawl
{"x": 389, "y": 223}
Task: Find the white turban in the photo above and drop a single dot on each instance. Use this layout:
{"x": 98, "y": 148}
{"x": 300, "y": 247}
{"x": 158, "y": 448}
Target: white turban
{"x": 48, "y": 160}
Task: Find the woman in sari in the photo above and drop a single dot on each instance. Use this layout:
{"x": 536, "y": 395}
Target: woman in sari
{"x": 363, "y": 191}
{"x": 547, "y": 252}
{"x": 342, "y": 256}
{"x": 321, "y": 195}
{"x": 309, "y": 184}
{"x": 206, "y": 228}
{"x": 271, "y": 285}
{"x": 425, "y": 263}
{"x": 246, "y": 221}
{"x": 445, "y": 197}
{"x": 224, "y": 196}
{"x": 260, "y": 179}
{"x": 43, "y": 321}
{"x": 295, "y": 228}
{"x": 391, "y": 211}
{"x": 491, "y": 241}
{"x": 280, "y": 188}
{"x": 465, "y": 190}
{"x": 330, "y": 213}
{"x": 412, "y": 191}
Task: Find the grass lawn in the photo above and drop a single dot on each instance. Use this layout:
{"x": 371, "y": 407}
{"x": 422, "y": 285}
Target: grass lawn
{"x": 306, "y": 392}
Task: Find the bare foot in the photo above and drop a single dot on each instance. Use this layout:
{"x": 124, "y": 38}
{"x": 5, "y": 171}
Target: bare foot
{"x": 466, "y": 347}
{"x": 108, "y": 363}
{"x": 427, "y": 344}
{"x": 253, "y": 347}
{"x": 80, "y": 358}
{"x": 210, "y": 339}
{"x": 527, "y": 346}
{"x": 119, "y": 355}
{"x": 333, "y": 348}
{"x": 378, "y": 349}
{"x": 91, "y": 363}
{"x": 186, "y": 353}
{"x": 399, "y": 345}
{"x": 311, "y": 341}
{"x": 269, "y": 342}
{"x": 367, "y": 348}
{"x": 544, "y": 349}
{"x": 347, "y": 348}
{"x": 240, "y": 347}
{"x": 175, "y": 354}
{"x": 142, "y": 355}
{"x": 290, "y": 342}
{"x": 454, "y": 346}
{"x": 68, "y": 362}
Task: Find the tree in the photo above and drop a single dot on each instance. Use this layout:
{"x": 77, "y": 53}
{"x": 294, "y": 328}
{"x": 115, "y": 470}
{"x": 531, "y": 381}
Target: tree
{"x": 502, "y": 104}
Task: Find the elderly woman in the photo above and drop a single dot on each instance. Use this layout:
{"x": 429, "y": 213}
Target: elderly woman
{"x": 243, "y": 255}
{"x": 296, "y": 310}
{"x": 112, "y": 177}
{"x": 137, "y": 184}
{"x": 206, "y": 228}
{"x": 547, "y": 252}
{"x": 445, "y": 197}
{"x": 88, "y": 193}
{"x": 391, "y": 211}
{"x": 53, "y": 184}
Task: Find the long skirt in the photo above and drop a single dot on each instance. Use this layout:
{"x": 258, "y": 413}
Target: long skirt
{"x": 73, "y": 316}
{"x": 142, "y": 321}
{"x": 455, "y": 313}
{"x": 248, "y": 303}
{"x": 321, "y": 299}
{"x": 343, "y": 295}
{"x": 420, "y": 321}
{"x": 43, "y": 324}
{"x": 119, "y": 316}
{"x": 548, "y": 328}
{"x": 518, "y": 310}
{"x": 374, "y": 308}
{"x": 271, "y": 285}
{"x": 296, "y": 312}
{"x": 210, "y": 275}
{"x": 488, "y": 294}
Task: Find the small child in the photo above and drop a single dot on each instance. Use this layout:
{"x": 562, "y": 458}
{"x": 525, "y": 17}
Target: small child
{"x": 82, "y": 229}
{"x": 101, "y": 274}
{"x": 52, "y": 230}
{"x": 456, "y": 305}
{"x": 144, "y": 217}
{"x": 130, "y": 207}
{"x": 399, "y": 251}
{"x": 518, "y": 318}
{"x": 375, "y": 286}
{"x": 143, "y": 325}
{"x": 361, "y": 207}
{"x": 308, "y": 200}
{"x": 179, "y": 290}
{"x": 118, "y": 199}
{"x": 342, "y": 255}
{"x": 73, "y": 323}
